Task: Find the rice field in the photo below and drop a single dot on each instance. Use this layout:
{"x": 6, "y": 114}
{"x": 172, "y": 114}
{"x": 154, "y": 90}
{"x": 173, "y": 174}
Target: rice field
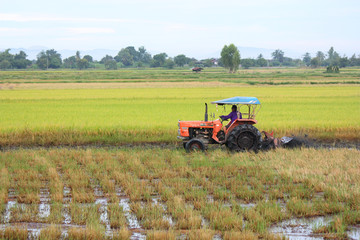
{"x": 129, "y": 115}
{"x": 166, "y": 194}
{"x": 85, "y": 155}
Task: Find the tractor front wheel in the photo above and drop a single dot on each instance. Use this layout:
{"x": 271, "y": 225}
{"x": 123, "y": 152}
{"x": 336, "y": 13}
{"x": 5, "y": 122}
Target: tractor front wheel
{"x": 244, "y": 137}
{"x": 195, "y": 145}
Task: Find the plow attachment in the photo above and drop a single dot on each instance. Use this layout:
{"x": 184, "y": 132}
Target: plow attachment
{"x": 270, "y": 142}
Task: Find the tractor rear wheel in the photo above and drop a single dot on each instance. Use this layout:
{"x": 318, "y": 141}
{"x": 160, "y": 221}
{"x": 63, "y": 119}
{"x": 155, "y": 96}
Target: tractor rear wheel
{"x": 195, "y": 145}
{"x": 244, "y": 137}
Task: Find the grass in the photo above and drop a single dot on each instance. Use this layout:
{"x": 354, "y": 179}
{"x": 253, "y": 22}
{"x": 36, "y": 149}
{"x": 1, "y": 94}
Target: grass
{"x": 14, "y": 233}
{"x": 119, "y": 116}
{"x": 308, "y": 182}
{"x": 277, "y": 76}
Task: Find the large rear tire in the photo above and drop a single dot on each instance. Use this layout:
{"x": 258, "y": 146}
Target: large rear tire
{"x": 195, "y": 145}
{"x": 244, "y": 137}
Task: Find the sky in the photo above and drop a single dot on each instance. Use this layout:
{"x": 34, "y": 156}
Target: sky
{"x": 197, "y": 28}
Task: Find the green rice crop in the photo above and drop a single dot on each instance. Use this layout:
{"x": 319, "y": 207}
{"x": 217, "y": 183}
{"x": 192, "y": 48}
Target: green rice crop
{"x": 111, "y": 116}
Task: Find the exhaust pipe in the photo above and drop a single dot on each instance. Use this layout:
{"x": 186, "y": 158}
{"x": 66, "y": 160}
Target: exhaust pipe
{"x": 206, "y": 113}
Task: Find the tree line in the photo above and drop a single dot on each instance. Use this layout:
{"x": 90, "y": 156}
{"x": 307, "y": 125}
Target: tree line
{"x": 132, "y": 57}
{"x": 230, "y": 59}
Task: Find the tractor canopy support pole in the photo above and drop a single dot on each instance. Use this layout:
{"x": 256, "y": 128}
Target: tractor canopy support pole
{"x": 206, "y": 113}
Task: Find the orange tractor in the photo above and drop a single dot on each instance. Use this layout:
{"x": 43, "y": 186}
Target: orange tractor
{"x": 240, "y": 135}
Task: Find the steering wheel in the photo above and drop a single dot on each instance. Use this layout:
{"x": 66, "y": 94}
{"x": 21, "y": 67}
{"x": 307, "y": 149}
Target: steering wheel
{"x": 222, "y": 120}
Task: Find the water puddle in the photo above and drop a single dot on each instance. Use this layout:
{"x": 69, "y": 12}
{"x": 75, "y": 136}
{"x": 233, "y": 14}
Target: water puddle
{"x": 204, "y": 222}
{"x": 104, "y": 217}
{"x": 98, "y": 191}
{"x": 103, "y": 203}
{"x": 12, "y": 194}
{"x": 301, "y": 228}
{"x": 217, "y": 237}
{"x": 44, "y": 206}
{"x": 138, "y": 236}
{"x": 119, "y": 192}
{"x": 168, "y": 218}
{"x": 66, "y": 194}
{"x": 247, "y": 205}
{"x": 354, "y": 232}
{"x": 6, "y": 217}
{"x": 210, "y": 198}
{"x": 66, "y": 208}
{"x": 131, "y": 218}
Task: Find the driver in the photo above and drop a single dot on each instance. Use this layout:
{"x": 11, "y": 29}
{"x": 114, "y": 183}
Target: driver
{"x": 233, "y": 115}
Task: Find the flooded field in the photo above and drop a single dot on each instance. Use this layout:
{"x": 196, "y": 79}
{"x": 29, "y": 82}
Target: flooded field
{"x": 162, "y": 193}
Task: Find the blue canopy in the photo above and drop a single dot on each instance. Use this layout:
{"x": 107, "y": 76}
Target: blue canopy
{"x": 238, "y": 100}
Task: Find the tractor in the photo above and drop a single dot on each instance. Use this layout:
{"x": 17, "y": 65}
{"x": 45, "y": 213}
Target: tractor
{"x": 240, "y": 135}
{"x": 197, "y": 69}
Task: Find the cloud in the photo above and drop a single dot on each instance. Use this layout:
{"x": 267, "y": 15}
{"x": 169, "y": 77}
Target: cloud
{"x": 33, "y": 18}
{"x": 15, "y": 31}
{"x": 90, "y": 30}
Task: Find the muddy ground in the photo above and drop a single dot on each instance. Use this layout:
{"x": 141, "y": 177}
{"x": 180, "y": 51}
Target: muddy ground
{"x": 298, "y": 142}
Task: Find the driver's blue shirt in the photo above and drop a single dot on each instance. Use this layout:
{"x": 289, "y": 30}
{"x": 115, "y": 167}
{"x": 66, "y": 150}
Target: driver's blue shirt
{"x": 233, "y": 116}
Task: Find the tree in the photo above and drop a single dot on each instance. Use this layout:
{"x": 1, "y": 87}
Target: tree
{"x": 230, "y": 57}
{"x": 207, "y": 62}
{"x": 49, "y": 59}
{"x": 331, "y": 54}
{"x": 278, "y": 55}
{"x": 169, "y": 63}
{"x": 5, "y": 64}
{"x": 20, "y": 60}
{"x": 159, "y": 60}
{"x": 315, "y": 62}
{"x": 353, "y": 61}
{"x": 144, "y": 56}
{"x": 344, "y": 62}
{"x": 288, "y": 62}
{"x": 307, "y": 59}
{"x": 42, "y": 60}
{"x": 321, "y": 57}
{"x": 82, "y": 63}
{"x": 333, "y": 57}
{"x": 181, "y": 60}
{"x": 275, "y": 63}
{"x": 125, "y": 56}
{"x": 106, "y": 58}
{"x": 89, "y": 58}
{"x": 247, "y": 63}
{"x": 336, "y": 59}
{"x": 110, "y": 65}
{"x": 133, "y": 53}
{"x": 70, "y": 62}
{"x": 261, "y": 61}
{"x": 6, "y": 55}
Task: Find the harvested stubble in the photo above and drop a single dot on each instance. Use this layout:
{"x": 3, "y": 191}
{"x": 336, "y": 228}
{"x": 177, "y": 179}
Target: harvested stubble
{"x": 24, "y": 213}
{"x": 50, "y": 233}
{"x": 14, "y": 233}
{"x": 116, "y": 216}
{"x": 191, "y": 187}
